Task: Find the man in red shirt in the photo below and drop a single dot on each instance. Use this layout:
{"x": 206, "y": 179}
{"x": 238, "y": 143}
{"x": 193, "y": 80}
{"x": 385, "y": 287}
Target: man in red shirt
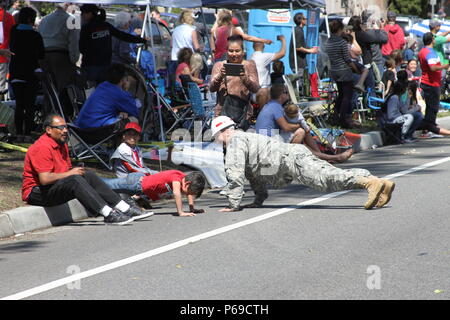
{"x": 431, "y": 84}
{"x": 7, "y": 21}
{"x": 49, "y": 178}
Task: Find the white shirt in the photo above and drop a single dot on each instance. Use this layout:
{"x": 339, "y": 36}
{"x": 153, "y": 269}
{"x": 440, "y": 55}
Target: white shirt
{"x": 263, "y": 61}
{"x": 181, "y": 38}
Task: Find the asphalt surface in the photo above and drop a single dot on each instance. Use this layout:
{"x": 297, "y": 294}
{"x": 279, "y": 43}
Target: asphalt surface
{"x": 330, "y": 249}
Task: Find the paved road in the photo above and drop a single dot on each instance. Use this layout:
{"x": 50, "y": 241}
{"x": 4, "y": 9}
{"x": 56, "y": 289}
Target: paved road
{"x": 299, "y": 246}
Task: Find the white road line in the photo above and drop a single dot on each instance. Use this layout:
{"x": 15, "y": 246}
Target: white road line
{"x": 120, "y": 263}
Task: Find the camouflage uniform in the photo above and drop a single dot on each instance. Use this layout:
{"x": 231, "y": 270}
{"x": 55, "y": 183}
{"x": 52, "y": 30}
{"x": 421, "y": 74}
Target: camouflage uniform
{"x": 263, "y": 160}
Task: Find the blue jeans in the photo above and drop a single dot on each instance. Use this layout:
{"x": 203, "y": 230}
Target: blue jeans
{"x": 130, "y": 185}
{"x": 418, "y": 117}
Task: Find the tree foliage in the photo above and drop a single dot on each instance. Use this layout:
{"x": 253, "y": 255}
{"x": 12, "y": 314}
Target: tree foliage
{"x": 410, "y": 7}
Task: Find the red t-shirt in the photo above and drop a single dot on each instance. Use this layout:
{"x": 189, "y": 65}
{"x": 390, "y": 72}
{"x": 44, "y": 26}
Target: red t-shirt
{"x": 45, "y": 155}
{"x": 156, "y": 184}
{"x": 428, "y": 57}
{"x": 180, "y": 69}
{"x": 8, "y": 22}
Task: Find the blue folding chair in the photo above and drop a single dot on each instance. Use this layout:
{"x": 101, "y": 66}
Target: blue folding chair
{"x": 202, "y": 110}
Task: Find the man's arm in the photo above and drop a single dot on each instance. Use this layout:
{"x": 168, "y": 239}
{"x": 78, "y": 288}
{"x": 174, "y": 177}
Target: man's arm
{"x": 195, "y": 42}
{"x": 437, "y": 68}
{"x": 280, "y": 54}
{"x": 247, "y": 37}
{"x": 46, "y": 178}
{"x": 176, "y": 185}
{"x": 124, "y": 36}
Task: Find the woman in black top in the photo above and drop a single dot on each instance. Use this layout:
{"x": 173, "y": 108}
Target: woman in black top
{"x": 341, "y": 70}
{"x": 28, "y": 48}
{"x": 95, "y": 42}
{"x": 365, "y": 40}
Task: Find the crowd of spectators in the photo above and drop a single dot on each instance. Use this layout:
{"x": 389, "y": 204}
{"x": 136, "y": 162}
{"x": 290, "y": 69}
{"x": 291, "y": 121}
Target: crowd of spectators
{"x": 367, "y": 55}
{"x": 379, "y": 58}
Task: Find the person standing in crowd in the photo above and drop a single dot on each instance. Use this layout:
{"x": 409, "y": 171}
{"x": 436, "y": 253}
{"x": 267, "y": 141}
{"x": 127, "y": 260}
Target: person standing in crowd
{"x": 265, "y": 161}
{"x": 15, "y": 7}
{"x": 7, "y": 21}
{"x": 238, "y": 86}
{"x": 224, "y": 28}
{"x": 375, "y": 28}
{"x": 439, "y": 41}
{"x": 28, "y": 48}
{"x": 121, "y": 50}
{"x": 366, "y": 40}
{"x": 409, "y": 53}
{"x": 184, "y": 36}
{"x": 61, "y": 46}
{"x": 95, "y": 42}
{"x": 431, "y": 83}
{"x": 300, "y": 50}
{"x": 157, "y": 16}
{"x": 264, "y": 59}
{"x": 341, "y": 71}
{"x": 396, "y": 36}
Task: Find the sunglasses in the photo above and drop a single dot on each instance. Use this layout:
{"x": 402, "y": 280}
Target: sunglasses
{"x": 61, "y": 127}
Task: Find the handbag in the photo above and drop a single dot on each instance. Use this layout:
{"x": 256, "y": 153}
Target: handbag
{"x": 235, "y": 108}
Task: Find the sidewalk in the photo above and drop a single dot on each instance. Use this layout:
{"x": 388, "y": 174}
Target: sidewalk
{"x": 31, "y": 218}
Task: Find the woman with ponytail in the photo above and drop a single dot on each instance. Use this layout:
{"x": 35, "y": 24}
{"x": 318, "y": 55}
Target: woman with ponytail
{"x": 96, "y": 44}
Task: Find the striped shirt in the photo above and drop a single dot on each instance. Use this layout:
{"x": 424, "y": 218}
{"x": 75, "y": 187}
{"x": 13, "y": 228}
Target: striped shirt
{"x": 339, "y": 55}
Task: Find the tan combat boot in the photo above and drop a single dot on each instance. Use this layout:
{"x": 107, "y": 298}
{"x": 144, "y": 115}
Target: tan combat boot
{"x": 374, "y": 186}
{"x": 385, "y": 196}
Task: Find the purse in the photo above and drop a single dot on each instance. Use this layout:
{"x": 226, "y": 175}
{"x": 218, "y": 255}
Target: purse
{"x": 235, "y": 108}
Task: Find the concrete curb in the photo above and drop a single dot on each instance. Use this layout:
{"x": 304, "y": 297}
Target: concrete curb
{"x": 31, "y": 218}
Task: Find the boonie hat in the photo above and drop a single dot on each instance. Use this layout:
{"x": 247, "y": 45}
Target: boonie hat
{"x": 133, "y": 126}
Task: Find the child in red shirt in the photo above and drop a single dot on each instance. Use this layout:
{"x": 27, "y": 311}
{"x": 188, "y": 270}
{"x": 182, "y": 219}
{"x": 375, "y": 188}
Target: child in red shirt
{"x": 175, "y": 183}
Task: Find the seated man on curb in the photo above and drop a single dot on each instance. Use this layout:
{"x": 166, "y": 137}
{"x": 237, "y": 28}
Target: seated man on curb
{"x": 50, "y": 180}
{"x": 171, "y": 183}
{"x": 272, "y": 121}
{"x": 110, "y": 102}
{"x": 266, "y": 161}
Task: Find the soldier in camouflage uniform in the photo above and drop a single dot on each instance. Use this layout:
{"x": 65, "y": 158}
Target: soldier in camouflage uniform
{"x": 266, "y": 161}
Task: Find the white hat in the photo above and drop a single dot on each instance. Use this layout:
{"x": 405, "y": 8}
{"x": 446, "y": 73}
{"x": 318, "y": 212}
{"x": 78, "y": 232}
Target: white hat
{"x": 220, "y": 123}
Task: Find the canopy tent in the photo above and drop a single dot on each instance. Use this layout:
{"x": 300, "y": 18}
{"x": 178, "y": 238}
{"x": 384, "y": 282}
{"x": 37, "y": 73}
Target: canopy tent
{"x": 262, "y": 4}
{"x": 419, "y": 29}
{"x": 159, "y": 3}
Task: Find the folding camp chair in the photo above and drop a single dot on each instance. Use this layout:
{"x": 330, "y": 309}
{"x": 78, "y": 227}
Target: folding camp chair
{"x": 88, "y": 143}
{"x": 83, "y": 143}
{"x": 202, "y": 110}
